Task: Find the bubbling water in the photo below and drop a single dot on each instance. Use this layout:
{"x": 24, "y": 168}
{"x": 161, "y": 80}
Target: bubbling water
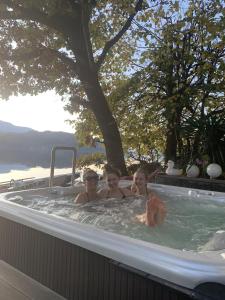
{"x": 191, "y": 219}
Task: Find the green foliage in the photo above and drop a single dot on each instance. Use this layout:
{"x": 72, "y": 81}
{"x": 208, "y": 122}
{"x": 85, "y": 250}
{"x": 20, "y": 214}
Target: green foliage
{"x": 177, "y": 71}
{"x": 185, "y": 66}
{"x": 37, "y": 46}
{"x": 205, "y": 136}
{"x": 86, "y": 126}
{"x": 136, "y": 113}
{"x": 95, "y": 159}
{"x": 65, "y": 46}
{"x": 167, "y": 68}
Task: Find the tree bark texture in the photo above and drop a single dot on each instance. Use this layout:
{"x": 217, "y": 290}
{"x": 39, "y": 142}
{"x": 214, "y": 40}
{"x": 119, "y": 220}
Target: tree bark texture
{"x": 87, "y": 72}
{"x": 105, "y": 120}
{"x": 173, "y": 134}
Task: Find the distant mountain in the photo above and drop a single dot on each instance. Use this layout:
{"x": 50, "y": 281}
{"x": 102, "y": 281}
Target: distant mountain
{"x": 8, "y": 127}
{"x": 33, "y": 148}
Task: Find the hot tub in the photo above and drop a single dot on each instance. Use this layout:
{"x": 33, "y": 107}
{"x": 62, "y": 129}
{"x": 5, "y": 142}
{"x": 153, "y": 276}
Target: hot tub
{"x": 80, "y": 261}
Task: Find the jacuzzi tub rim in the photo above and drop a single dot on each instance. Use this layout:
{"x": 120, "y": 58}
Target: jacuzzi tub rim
{"x": 197, "y": 192}
{"x": 187, "y": 269}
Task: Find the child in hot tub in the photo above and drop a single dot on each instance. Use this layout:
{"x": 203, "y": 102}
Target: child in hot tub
{"x": 90, "y": 179}
{"x": 155, "y": 208}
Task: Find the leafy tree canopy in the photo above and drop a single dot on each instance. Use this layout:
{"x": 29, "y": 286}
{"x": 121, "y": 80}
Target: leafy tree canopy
{"x": 40, "y": 50}
{"x": 178, "y": 73}
{"x": 158, "y": 62}
{"x": 63, "y": 45}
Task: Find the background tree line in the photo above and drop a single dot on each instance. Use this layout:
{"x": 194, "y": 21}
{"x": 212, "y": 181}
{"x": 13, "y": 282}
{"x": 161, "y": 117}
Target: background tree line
{"x": 173, "y": 101}
{"x": 146, "y": 77}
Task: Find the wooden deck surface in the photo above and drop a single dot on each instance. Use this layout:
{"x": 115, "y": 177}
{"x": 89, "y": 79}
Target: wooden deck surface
{"x": 14, "y": 285}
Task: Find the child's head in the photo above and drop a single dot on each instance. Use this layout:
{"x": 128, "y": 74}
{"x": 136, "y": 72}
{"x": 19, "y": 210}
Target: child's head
{"x": 112, "y": 176}
{"x": 90, "y": 178}
{"x": 140, "y": 177}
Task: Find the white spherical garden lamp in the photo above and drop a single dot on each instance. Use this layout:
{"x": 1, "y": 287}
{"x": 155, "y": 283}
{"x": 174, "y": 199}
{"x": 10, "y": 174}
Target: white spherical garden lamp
{"x": 214, "y": 170}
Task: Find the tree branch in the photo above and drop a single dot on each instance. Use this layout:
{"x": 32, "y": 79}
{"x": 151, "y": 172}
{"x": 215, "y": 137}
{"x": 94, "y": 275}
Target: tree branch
{"x": 117, "y": 37}
{"x": 67, "y": 60}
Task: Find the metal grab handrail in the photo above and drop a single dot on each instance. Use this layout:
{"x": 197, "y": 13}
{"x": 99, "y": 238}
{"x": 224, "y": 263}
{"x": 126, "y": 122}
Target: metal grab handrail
{"x": 52, "y": 166}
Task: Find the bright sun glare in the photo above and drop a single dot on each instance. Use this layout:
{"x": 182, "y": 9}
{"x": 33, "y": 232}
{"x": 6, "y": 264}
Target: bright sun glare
{"x": 42, "y": 112}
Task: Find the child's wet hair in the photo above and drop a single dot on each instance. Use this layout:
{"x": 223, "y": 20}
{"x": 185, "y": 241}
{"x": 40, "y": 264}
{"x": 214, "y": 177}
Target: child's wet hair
{"x": 89, "y": 172}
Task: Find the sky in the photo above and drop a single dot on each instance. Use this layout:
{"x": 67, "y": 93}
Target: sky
{"x": 42, "y": 112}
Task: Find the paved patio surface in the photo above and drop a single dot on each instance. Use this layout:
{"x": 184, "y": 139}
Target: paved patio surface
{"x": 14, "y": 285}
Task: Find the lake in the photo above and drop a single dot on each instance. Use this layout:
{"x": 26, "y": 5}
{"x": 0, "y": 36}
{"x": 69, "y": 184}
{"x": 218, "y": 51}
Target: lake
{"x": 20, "y": 171}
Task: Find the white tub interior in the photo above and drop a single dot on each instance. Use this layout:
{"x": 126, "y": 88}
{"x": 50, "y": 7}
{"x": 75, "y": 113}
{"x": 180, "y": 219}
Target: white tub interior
{"x": 184, "y": 268}
{"x": 193, "y": 217}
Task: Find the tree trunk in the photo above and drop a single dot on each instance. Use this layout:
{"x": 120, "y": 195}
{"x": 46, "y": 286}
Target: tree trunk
{"x": 173, "y": 134}
{"x": 171, "y": 144}
{"x": 105, "y": 120}
{"x": 88, "y": 75}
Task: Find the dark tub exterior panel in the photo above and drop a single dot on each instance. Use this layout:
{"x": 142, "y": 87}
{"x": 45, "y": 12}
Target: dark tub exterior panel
{"x": 76, "y": 273}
